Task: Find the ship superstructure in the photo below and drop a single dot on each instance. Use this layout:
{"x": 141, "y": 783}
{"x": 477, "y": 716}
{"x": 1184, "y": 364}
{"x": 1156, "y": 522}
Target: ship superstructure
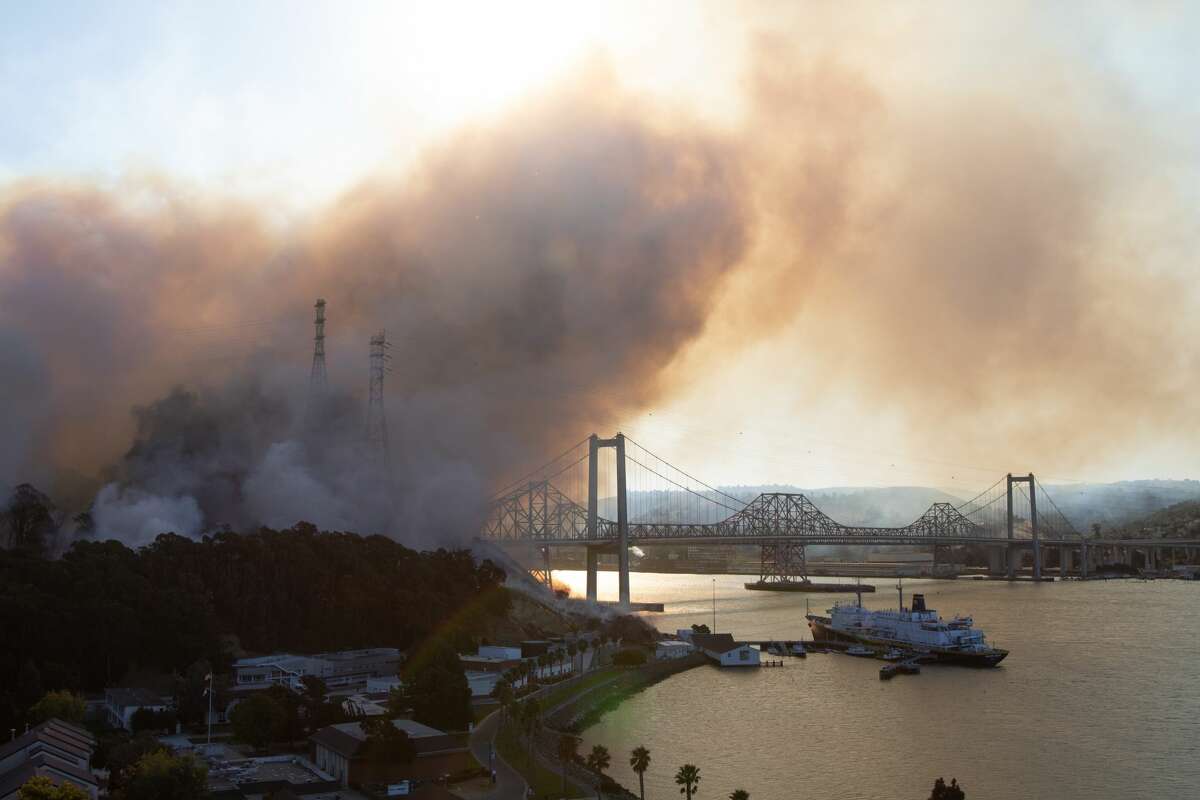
{"x": 918, "y": 629}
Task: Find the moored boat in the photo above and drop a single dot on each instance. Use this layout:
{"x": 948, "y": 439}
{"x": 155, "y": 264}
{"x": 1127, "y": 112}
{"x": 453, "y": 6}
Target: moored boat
{"x": 919, "y": 629}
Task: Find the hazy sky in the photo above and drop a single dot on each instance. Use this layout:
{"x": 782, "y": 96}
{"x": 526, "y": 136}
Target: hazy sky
{"x": 974, "y": 227}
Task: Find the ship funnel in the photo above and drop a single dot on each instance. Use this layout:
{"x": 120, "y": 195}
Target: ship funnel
{"x": 918, "y": 602}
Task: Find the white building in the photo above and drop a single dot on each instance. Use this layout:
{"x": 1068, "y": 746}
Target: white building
{"x": 721, "y": 648}
{"x": 345, "y": 668}
{"x": 669, "y": 649}
{"x": 498, "y": 651}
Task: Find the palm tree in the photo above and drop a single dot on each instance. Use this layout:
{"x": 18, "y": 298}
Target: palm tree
{"x": 598, "y": 761}
{"x": 572, "y": 649}
{"x": 568, "y": 752}
{"x": 688, "y": 777}
{"x": 531, "y": 722}
{"x": 504, "y": 695}
{"x": 639, "y": 759}
{"x": 739, "y": 794}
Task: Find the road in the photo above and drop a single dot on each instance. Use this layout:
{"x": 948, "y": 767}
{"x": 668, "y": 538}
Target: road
{"x": 509, "y": 783}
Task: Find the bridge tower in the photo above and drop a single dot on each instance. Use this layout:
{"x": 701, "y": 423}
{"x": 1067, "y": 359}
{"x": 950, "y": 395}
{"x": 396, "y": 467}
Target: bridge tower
{"x": 593, "y": 551}
{"x": 1033, "y": 521}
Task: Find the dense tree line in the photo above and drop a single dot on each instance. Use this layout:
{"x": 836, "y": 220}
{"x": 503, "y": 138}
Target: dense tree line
{"x": 82, "y": 621}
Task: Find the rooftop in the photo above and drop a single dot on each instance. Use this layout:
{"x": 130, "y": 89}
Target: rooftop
{"x": 293, "y": 770}
{"x": 715, "y": 642}
{"x": 126, "y": 697}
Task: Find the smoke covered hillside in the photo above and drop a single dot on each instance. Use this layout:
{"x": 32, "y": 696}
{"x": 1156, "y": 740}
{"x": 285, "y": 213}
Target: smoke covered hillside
{"x": 886, "y": 506}
{"x": 1118, "y": 504}
{"x": 1106, "y": 504}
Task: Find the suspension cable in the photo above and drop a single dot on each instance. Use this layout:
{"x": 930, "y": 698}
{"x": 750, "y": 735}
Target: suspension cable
{"x": 712, "y": 489}
{"x": 545, "y": 466}
{"x": 685, "y": 488}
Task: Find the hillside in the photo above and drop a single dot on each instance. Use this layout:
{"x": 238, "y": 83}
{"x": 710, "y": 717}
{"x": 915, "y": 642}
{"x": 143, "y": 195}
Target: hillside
{"x": 1178, "y": 521}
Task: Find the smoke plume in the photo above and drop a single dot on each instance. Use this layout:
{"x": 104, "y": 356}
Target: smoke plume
{"x": 989, "y": 258}
{"x": 532, "y": 276}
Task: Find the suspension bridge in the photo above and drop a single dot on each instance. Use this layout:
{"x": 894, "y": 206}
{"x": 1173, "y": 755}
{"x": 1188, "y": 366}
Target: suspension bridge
{"x": 649, "y": 500}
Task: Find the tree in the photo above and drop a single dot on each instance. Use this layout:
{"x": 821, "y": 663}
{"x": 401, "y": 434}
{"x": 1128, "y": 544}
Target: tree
{"x": 121, "y": 757}
{"x": 688, "y": 778}
{"x": 568, "y": 753}
{"x": 598, "y": 761}
{"x": 386, "y": 742}
{"x": 943, "y": 792}
{"x": 59, "y": 705}
{"x": 739, "y": 794}
{"x": 435, "y": 686}
{"x": 639, "y": 761}
{"x": 29, "y": 518}
{"x": 630, "y": 657}
{"x": 530, "y": 719}
{"x": 701, "y": 628}
{"x": 503, "y": 692}
{"x": 257, "y": 719}
{"x": 145, "y": 719}
{"x": 583, "y": 648}
{"x": 40, "y": 787}
{"x": 162, "y": 776}
{"x": 191, "y": 700}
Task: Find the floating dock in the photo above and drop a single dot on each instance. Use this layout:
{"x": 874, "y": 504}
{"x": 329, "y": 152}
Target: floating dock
{"x": 808, "y": 586}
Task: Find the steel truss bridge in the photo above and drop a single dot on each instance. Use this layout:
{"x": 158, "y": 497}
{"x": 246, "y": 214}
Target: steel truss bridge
{"x": 559, "y": 505}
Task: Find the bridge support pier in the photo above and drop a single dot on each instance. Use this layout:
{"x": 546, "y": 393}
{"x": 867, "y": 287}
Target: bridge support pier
{"x": 593, "y": 565}
{"x": 1064, "y": 561}
{"x": 996, "y": 559}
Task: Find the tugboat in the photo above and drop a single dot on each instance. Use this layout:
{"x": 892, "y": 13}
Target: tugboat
{"x": 798, "y": 650}
{"x": 953, "y": 641}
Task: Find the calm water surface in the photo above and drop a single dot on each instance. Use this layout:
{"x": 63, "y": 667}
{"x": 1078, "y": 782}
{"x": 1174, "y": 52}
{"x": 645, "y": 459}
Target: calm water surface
{"x": 1099, "y": 698}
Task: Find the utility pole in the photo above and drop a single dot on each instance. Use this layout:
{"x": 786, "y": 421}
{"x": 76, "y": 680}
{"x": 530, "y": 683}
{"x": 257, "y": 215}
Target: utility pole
{"x": 377, "y": 436}
{"x": 209, "y": 692}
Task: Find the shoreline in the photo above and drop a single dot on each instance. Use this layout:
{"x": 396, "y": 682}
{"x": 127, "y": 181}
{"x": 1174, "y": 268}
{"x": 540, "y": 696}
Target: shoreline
{"x": 580, "y": 711}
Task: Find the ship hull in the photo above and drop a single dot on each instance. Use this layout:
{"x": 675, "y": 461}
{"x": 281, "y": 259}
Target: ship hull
{"x": 823, "y": 631}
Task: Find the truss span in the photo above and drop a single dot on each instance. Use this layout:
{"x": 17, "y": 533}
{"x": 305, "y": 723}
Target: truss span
{"x": 541, "y": 513}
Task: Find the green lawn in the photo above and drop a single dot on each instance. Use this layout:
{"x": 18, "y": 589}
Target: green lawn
{"x": 544, "y": 782}
{"x": 563, "y": 693}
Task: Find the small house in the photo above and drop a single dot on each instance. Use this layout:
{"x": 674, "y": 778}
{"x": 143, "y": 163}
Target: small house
{"x": 121, "y": 704}
{"x": 669, "y": 649}
{"x": 721, "y": 648}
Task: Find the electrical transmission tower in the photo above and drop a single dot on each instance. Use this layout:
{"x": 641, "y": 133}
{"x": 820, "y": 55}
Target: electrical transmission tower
{"x": 377, "y": 437}
{"x": 317, "y": 380}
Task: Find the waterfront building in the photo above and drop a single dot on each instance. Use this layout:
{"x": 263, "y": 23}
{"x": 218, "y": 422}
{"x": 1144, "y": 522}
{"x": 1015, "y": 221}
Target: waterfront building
{"x": 54, "y": 749}
{"x": 668, "y": 649}
{"x": 721, "y": 648}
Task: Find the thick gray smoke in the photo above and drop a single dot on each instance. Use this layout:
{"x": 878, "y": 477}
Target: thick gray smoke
{"x": 532, "y": 276}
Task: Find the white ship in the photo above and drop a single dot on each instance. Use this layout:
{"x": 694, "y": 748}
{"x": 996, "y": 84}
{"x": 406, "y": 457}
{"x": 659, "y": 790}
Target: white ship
{"x": 916, "y": 629}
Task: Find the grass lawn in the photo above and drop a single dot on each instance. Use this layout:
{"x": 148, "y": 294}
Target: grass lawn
{"x": 544, "y": 782}
{"x": 563, "y": 693}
